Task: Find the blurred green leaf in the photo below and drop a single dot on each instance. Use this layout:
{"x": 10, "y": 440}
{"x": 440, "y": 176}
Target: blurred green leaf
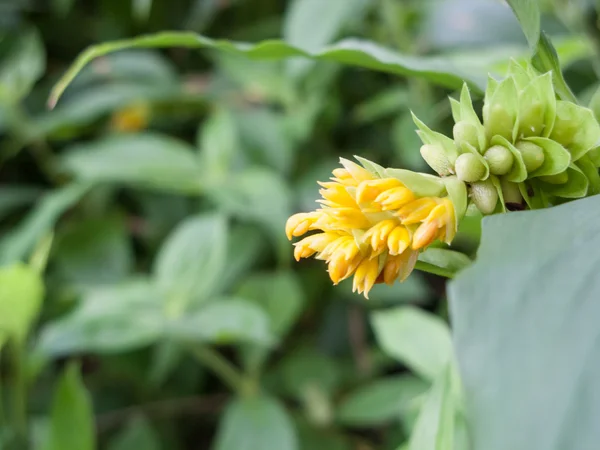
{"x": 18, "y": 243}
{"x": 188, "y": 265}
{"x": 224, "y": 321}
{"x": 72, "y": 416}
{"x": 256, "y": 423}
{"x": 526, "y": 311}
{"x": 278, "y": 294}
{"x": 434, "y": 429}
{"x": 416, "y": 338}
{"x": 219, "y": 144}
{"x": 306, "y": 368}
{"x": 381, "y": 401}
{"x": 21, "y": 295}
{"x": 147, "y": 160}
{"x": 13, "y": 197}
{"x": 528, "y": 14}
{"x": 137, "y": 434}
{"x": 317, "y": 438}
{"x": 95, "y": 251}
{"x": 22, "y": 67}
{"x": 107, "y": 320}
{"x": 388, "y": 102}
{"x": 545, "y": 59}
{"x": 349, "y": 51}
{"x": 413, "y": 290}
{"x": 261, "y": 196}
{"x": 312, "y": 24}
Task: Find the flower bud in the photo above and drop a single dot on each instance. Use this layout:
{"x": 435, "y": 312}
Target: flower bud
{"x": 500, "y": 159}
{"x": 531, "y": 119}
{"x": 435, "y": 156}
{"x": 468, "y": 168}
{"x": 485, "y": 196}
{"x": 465, "y": 133}
{"x": 559, "y": 178}
{"x": 500, "y": 122}
{"x": 511, "y": 192}
{"x": 533, "y": 155}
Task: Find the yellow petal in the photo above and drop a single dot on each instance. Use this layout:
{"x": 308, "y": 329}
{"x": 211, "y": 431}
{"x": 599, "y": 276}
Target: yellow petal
{"x": 357, "y": 172}
{"x": 398, "y": 240}
{"x": 300, "y": 223}
{"x": 365, "y": 276}
{"x": 416, "y": 211}
{"x": 395, "y": 198}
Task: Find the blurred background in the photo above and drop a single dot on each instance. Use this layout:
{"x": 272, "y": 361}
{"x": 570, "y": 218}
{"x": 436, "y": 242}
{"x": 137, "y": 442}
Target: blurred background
{"x": 167, "y": 176}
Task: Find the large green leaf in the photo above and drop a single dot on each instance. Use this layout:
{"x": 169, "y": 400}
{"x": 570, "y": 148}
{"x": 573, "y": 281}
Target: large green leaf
{"x": 146, "y": 159}
{"x": 381, "y": 401}
{"x": 137, "y": 434}
{"x": 256, "y": 423}
{"x": 528, "y": 13}
{"x": 17, "y": 244}
{"x": 72, "y": 417}
{"x": 188, "y": 265}
{"x": 526, "y": 331}
{"x": 350, "y": 51}
{"x": 417, "y": 338}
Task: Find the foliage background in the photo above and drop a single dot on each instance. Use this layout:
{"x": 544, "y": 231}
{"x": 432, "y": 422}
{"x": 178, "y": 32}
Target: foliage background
{"x": 167, "y": 176}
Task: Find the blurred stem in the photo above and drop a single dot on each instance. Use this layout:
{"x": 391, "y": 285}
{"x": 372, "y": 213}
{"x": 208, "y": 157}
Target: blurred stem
{"x": 435, "y": 270}
{"x": 19, "y": 388}
{"x": 228, "y": 373}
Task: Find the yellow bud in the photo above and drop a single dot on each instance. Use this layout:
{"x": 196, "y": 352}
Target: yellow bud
{"x": 394, "y": 198}
{"x": 416, "y": 211}
{"x": 398, "y": 240}
{"x": 500, "y": 159}
{"x": 533, "y": 155}
{"x": 469, "y": 168}
{"x": 365, "y": 276}
{"x": 299, "y": 224}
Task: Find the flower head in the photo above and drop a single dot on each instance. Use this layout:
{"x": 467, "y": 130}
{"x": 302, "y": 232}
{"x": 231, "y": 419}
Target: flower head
{"x": 373, "y": 222}
{"x": 530, "y": 146}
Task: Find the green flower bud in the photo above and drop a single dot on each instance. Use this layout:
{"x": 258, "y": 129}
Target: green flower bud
{"x": 435, "y": 156}
{"x": 559, "y": 178}
{"x": 465, "y": 133}
{"x": 468, "y": 168}
{"x": 533, "y": 155}
{"x": 485, "y": 196}
{"x": 531, "y": 119}
{"x": 500, "y": 159}
{"x": 511, "y": 192}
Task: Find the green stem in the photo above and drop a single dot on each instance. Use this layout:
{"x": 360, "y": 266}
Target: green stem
{"x": 19, "y": 389}
{"x": 228, "y": 373}
{"x": 435, "y": 270}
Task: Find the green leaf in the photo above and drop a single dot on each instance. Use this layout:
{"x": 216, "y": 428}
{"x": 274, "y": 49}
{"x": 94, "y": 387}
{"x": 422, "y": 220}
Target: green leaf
{"x": 188, "y": 265}
{"x": 15, "y": 196}
{"x": 22, "y": 67}
{"x": 416, "y": 338}
{"x": 94, "y": 251}
{"x": 422, "y": 184}
{"x": 146, "y": 159}
{"x": 545, "y": 59}
{"x": 256, "y": 423}
{"x": 138, "y": 433}
{"x": 525, "y": 328}
{"x": 350, "y": 51}
{"x": 72, "y": 416}
{"x": 261, "y": 196}
{"x": 387, "y": 102}
{"x": 449, "y": 261}
{"x": 311, "y": 24}
{"x": 576, "y": 186}
{"x": 223, "y": 321}
{"x": 278, "y": 294}
{"x": 219, "y": 144}
{"x": 107, "y": 320}
{"x": 16, "y": 245}
{"x": 21, "y": 295}
{"x": 308, "y": 369}
{"x": 413, "y": 290}
{"x": 528, "y": 14}
{"x": 380, "y": 401}
{"x": 590, "y": 171}
{"x": 434, "y": 428}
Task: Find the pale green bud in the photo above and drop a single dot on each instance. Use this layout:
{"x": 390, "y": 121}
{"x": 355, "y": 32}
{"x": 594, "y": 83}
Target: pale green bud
{"x": 511, "y": 192}
{"x": 559, "y": 178}
{"x": 500, "y": 122}
{"x": 531, "y": 119}
{"x": 500, "y": 159}
{"x": 435, "y": 156}
{"x": 468, "y": 168}
{"x": 533, "y": 155}
{"x": 485, "y": 196}
{"x": 465, "y": 133}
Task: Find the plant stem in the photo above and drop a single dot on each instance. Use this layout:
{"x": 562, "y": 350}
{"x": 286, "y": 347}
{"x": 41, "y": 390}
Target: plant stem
{"x": 228, "y": 373}
{"x": 19, "y": 388}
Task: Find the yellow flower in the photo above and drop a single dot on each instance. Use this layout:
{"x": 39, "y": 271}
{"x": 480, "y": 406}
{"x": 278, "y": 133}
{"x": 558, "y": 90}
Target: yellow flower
{"x": 132, "y": 118}
{"x": 370, "y": 226}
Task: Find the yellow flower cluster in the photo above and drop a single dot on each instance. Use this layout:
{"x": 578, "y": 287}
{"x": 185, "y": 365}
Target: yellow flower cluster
{"x": 370, "y": 227}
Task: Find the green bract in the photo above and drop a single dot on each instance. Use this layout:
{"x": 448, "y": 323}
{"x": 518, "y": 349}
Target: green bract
{"x": 526, "y": 152}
